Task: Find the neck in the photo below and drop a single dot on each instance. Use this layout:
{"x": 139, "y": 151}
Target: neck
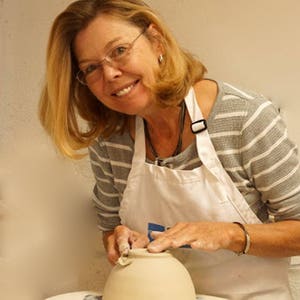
{"x": 168, "y": 141}
{"x": 163, "y": 122}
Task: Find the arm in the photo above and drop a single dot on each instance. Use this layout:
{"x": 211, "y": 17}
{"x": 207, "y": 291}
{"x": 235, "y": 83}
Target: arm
{"x": 105, "y": 195}
{"x": 117, "y": 239}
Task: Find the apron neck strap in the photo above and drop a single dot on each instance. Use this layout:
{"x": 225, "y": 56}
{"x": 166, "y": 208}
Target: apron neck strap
{"x": 205, "y": 147}
{"x": 139, "y": 155}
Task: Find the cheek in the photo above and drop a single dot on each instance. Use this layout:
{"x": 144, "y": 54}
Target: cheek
{"x": 98, "y": 91}
{"x": 148, "y": 71}
{"x": 146, "y": 61}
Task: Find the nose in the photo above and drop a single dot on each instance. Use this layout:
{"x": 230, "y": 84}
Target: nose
{"x": 111, "y": 71}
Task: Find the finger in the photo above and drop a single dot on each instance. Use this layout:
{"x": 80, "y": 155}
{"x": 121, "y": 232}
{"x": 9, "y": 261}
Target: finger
{"x": 122, "y": 235}
{"x": 178, "y": 227}
{"x": 155, "y": 234}
{"x": 113, "y": 256}
{"x": 138, "y": 240}
{"x": 124, "y": 249}
{"x": 171, "y": 231}
{"x": 162, "y": 242}
{"x": 111, "y": 249}
{"x": 175, "y": 237}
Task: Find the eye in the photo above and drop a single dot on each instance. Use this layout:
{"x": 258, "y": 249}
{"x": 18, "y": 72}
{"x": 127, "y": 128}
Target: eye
{"x": 119, "y": 51}
{"x": 90, "y": 69}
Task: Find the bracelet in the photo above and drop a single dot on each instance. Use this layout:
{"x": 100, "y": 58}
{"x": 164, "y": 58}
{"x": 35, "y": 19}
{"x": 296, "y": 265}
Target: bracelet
{"x": 247, "y": 239}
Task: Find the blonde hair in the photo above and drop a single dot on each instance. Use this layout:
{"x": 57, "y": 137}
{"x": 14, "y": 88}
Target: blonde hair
{"x": 69, "y": 112}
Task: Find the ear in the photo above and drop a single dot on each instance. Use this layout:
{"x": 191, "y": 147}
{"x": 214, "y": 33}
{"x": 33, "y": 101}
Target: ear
{"x": 156, "y": 39}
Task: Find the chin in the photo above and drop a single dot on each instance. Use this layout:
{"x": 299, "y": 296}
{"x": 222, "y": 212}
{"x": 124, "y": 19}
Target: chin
{"x": 136, "y": 106}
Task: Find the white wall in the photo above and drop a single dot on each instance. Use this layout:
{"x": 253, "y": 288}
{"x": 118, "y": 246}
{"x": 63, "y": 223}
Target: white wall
{"x": 254, "y": 44}
{"x": 42, "y": 197}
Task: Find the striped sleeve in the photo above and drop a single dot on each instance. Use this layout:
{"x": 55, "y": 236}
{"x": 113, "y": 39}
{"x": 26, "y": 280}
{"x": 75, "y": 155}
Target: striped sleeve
{"x": 270, "y": 159}
{"x": 111, "y": 162}
{"x": 252, "y": 143}
{"x": 105, "y": 196}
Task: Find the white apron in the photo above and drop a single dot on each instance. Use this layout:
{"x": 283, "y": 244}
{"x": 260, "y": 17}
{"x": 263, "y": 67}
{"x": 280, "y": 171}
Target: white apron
{"x": 164, "y": 196}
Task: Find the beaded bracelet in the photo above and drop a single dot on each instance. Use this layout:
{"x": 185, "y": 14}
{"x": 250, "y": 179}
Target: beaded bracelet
{"x": 247, "y": 239}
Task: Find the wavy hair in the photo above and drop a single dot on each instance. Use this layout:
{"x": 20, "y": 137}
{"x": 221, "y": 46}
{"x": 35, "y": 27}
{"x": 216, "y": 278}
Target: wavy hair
{"x": 69, "y": 112}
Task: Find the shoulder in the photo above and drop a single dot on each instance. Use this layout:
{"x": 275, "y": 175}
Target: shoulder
{"x": 242, "y": 105}
{"x": 248, "y": 99}
{"x": 240, "y": 116}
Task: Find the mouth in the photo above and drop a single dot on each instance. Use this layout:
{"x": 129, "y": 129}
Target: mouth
{"x": 126, "y": 90}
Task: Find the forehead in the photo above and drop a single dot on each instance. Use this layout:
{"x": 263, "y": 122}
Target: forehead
{"x": 103, "y": 31}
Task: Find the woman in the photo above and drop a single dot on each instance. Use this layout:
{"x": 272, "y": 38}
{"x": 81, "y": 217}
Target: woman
{"x": 168, "y": 146}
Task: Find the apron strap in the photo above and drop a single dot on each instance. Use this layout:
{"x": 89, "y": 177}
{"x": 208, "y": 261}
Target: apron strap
{"x": 139, "y": 154}
{"x": 205, "y": 148}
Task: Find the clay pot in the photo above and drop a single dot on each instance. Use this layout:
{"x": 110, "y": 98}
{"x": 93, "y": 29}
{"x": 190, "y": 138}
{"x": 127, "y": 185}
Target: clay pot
{"x": 148, "y": 276}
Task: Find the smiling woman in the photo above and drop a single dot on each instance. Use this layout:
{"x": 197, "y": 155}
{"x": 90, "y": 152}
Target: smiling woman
{"x": 207, "y": 160}
{"x": 128, "y": 62}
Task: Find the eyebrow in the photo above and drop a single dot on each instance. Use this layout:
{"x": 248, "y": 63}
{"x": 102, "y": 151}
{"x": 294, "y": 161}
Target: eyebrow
{"x": 107, "y": 46}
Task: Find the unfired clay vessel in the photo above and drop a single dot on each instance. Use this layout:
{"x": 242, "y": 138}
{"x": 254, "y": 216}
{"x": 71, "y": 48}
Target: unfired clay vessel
{"x": 148, "y": 276}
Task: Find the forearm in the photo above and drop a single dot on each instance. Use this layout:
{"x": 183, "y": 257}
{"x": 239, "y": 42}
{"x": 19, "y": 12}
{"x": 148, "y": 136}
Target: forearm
{"x": 280, "y": 239}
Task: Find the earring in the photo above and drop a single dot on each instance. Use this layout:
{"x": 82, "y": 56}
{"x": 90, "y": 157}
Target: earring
{"x": 160, "y": 58}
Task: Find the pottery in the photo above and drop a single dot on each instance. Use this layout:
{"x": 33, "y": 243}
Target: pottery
{"x": 83, "y": 295}
{"x": 149, "y": 276}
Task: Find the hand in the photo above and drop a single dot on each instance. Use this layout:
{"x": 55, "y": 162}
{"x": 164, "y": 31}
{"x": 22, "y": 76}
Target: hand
{"x": 120, "y": 240}
{"x": 208, "y": 236}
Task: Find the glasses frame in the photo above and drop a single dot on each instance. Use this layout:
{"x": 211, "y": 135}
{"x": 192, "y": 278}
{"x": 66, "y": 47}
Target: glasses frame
{"x": 108, "y": 58}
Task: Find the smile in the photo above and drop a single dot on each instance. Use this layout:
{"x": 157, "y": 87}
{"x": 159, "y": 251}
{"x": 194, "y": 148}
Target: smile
{"x": 126, "y": 90}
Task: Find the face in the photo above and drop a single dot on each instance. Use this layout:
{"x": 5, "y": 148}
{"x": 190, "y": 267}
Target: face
{"x": 121, "y": 87}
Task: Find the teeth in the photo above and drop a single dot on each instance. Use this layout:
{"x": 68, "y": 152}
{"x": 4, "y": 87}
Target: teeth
{"x": 124, "y": 91}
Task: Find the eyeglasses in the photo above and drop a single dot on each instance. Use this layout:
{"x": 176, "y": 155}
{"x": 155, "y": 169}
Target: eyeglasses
{"x": 115, "y": 57}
